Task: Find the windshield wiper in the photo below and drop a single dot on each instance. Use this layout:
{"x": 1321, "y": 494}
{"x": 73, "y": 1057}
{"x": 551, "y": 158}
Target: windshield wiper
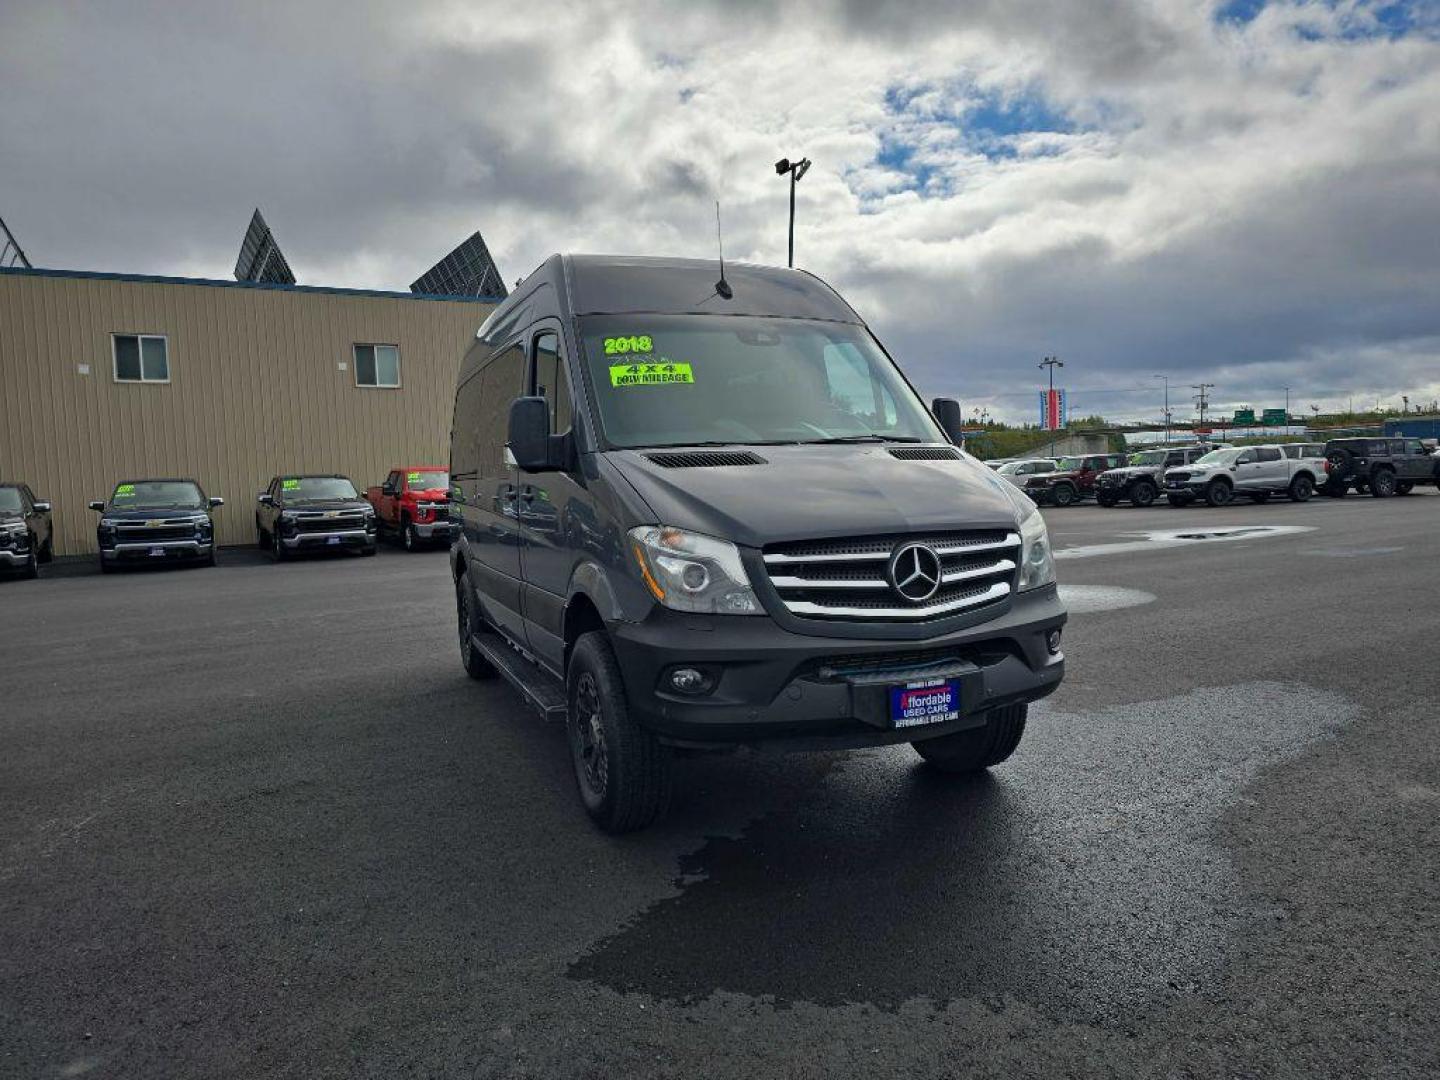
{"x": 864, "y": 439}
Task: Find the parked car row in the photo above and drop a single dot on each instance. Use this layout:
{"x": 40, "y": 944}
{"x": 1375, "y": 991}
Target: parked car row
{"x": 1218, "y": 474}
{"x": 171, "y": 519}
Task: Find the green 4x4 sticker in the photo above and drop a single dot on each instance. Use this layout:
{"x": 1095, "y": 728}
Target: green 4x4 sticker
{"x": 650, "y": 374}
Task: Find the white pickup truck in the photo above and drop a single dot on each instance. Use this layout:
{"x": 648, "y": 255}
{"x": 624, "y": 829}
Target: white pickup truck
{"x": 1290, "y": 469}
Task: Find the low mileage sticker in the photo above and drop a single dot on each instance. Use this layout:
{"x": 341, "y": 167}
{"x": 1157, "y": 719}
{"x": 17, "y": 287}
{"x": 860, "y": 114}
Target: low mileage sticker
{"x": 650, "y": 374}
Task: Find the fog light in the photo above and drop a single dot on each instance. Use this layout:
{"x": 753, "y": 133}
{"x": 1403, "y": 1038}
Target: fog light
{"x": 689, "y": 680}
{"x": 1052, "y": 641}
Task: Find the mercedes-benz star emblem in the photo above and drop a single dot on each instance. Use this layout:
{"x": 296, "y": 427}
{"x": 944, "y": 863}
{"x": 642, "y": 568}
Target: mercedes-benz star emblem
{"x": 915, "y": 572}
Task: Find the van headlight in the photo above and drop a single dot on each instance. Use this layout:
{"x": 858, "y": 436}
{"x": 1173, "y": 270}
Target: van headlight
{"x": 1037, "y": 565}
{"x": 689, "y": 572}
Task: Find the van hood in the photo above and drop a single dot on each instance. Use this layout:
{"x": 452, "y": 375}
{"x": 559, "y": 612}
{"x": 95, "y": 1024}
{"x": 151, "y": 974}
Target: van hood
{"x": 817, "y": 491}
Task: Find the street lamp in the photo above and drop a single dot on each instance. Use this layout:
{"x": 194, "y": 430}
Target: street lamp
{"x": 1167, "y": 405}
{"x": 796, "y": 169}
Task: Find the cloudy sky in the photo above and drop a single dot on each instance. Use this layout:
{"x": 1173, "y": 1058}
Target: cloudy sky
{"x": 1240, "y": 192}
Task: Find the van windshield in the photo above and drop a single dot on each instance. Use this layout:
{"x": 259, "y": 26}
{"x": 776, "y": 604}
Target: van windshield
{"x": 683, "y": 380}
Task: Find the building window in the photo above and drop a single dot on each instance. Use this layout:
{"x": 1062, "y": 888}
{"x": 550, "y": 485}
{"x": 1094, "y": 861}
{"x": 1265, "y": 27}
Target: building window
{"x": 141, "y": 358}
{"x": 377, "y": 365}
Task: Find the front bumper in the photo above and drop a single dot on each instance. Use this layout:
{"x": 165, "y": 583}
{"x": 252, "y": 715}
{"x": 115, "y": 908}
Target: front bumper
{"x": 787, "y": 690}
{"x": 1192, "y": 486}
{"x": 12, "y": 558}
{"x": 341, "y": 538}
{"x": 436, "y": 530}
{"x": 131, "y": 551}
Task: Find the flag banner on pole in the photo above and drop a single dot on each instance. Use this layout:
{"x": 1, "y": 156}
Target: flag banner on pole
{"x": 1053, "y": 412}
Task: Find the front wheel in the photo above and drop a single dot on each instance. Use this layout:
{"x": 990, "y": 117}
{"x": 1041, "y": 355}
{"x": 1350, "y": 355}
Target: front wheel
{"x": 1301, "y": 488}
{"x": 978, "y": 748}
{"x": 32, "y": 564}
{"x": 411, "y": 540}
{"x": 1219, "y": 493}
{"x": 469, "y": 624}
{"x": 1063, "y": 495}
{"x": 1382, "y": 484}
{"x": 621, "y": 770}
{"x": 278, "y": 551}
{"x": 1143, "y": 493}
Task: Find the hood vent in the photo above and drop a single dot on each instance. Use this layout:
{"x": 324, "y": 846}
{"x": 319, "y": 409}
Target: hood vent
{"x": 925, "y": 453}
{"x": 705, "y": 459}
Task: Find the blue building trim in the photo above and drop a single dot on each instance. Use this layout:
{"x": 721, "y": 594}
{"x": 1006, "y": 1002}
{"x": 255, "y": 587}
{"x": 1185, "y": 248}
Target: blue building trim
{"x": 160, "y": 279}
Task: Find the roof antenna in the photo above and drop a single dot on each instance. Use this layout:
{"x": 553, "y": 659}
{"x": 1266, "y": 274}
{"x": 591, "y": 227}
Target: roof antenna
{"x": 722, "y": 287}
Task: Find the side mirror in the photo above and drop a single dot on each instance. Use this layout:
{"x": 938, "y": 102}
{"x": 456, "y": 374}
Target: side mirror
{"x": 265, "y": 499}
{"x": 531, "y": 444}
{"x": 43, "y": 507}
{"x": 216, "y": 501}
{"x": 98, "y": 504}
{"x": 950, "y": 418}
{"x": 387, "y": 489}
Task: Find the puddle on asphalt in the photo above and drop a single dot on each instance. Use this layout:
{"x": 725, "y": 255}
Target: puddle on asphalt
{"x": 1149, "y": 541}
{"x": 1080, "y": 877}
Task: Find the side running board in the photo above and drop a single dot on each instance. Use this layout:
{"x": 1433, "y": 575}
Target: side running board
{"x": 541, "y": 690}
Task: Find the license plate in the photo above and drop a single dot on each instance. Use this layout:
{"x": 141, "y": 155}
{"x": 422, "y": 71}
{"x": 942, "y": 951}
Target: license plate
{"x": 332, "y": 540}
{"x": 157, "y": 552}
{"x": 915, "y": 704}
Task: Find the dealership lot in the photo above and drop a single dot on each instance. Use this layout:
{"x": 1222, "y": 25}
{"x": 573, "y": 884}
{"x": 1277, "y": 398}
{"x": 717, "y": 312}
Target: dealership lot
{"x": 257, "y": 820}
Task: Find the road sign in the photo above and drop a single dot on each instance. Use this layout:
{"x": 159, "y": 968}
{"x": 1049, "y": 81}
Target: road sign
{"x": 1244, "y": 416}
{"x": 1274, "y": 417}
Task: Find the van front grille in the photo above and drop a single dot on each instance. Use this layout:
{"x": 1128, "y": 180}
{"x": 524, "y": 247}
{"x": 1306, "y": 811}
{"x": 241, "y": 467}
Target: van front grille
{"x": 851, "y": 577}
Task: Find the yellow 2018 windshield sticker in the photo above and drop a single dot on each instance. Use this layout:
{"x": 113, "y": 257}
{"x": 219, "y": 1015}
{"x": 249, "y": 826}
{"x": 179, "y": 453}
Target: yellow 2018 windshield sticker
{"x": 659, "y": 374}
{"x": 125, "y": 491}
{"x": 635, "y": 343}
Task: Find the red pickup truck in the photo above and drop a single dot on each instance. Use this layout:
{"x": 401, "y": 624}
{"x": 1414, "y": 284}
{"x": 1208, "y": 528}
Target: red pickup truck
{"x": 414, "y": 504}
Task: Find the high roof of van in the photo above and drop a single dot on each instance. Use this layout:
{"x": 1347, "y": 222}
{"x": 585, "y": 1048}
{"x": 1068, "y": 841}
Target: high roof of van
{"x": 567, "y": 285}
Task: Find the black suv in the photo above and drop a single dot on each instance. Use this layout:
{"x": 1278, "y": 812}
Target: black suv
{"x": 27, "y": 538}
{"x": 1139, "y": 479}
{"x": 1384, "y": 467}
{"x": 313, "y": 513}
{"x": 703, "y": 514}
{"x": 156, "y": 521}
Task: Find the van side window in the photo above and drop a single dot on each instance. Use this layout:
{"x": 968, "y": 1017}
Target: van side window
{"x": 551, "y": 382}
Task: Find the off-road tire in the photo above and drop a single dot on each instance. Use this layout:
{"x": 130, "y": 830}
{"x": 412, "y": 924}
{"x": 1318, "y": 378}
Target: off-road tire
{"x": 976, "y": 748}
{"x": 1063, "y": 494}
{"x": 1301, "y": 488}
{"x": 1382, "y": 483}
{"x": 1143, "y": 493}
{"x": 467, "y": 623}
{"x": 622, "y": 772}
{"x": 1219, "y": 493}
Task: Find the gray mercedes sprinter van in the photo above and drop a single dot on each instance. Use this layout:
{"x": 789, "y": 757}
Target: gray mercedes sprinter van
{"x": 701, "y": 514}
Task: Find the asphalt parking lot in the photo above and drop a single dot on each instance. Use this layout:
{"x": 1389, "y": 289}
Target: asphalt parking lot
{"x": 257, "y": 822}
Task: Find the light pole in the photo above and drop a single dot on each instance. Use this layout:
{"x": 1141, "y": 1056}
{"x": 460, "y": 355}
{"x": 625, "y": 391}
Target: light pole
{"x": 1287, "y": 406}
{"x": 796, "y": 169}
{"x": 1051, "y": 363}
{"x": 1167, "y": 406}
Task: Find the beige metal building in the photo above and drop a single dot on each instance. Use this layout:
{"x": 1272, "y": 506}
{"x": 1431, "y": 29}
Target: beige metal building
{"x": 105, "y": 377}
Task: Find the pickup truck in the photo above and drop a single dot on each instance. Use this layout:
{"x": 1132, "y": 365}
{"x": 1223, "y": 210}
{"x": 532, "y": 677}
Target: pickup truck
{"x": 302, "y": 512}
{"x": 414, "y": 504}
{"x": 1257, "y": 472}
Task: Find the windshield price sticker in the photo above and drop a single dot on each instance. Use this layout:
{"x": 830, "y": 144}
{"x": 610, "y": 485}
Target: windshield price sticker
{"x": 413, "y": 478}
{"x": 635, "y": 343}
{"x": 125, "y": 491}
{"x": 650, "y": 374}
{"x": 290, "y": 485}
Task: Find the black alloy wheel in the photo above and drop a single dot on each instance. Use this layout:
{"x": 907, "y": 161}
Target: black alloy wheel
{"x": 1219, "y": 493}
{"x": 1143, "y": 493}
{"x": 1301, "y": 488}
